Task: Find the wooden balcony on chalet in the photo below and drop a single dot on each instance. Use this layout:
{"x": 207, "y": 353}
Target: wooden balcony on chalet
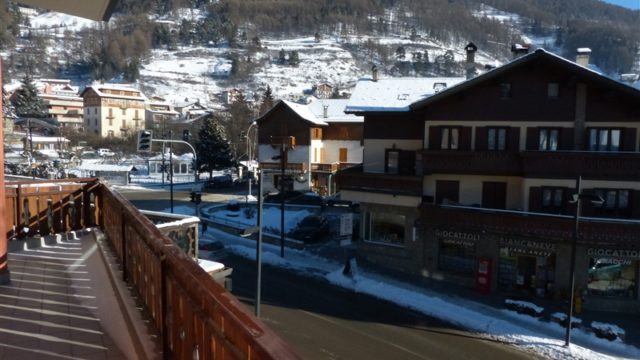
{"x": 622, "y": 233}
{"x": 591, "y": 165}
{"x": 355, "y": 179}
{"x": 185, "y": 312}
{"x": 471, "y": 162}
{"x": 295, "y": 167}
{"x": 331, "y": 167}
{"x": 535, "y": 164}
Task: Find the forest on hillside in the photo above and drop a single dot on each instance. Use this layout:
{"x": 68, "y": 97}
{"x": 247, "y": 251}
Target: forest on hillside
{"x": 120, "y": 46}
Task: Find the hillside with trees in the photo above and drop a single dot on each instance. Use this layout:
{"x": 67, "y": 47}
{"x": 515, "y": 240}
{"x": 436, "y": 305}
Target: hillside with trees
{"x": 118, "y": 49}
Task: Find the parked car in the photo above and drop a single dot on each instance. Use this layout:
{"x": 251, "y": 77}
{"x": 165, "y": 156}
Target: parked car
{"x": 297, "y": 198}
{"x": 311, "y": 229}
{"x": 220, "y": 181}
{"x": 106, "y": 152}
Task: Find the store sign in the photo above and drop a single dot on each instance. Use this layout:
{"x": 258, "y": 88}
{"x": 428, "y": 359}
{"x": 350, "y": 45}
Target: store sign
{"x": 528, "y": 247}
{"x": 458, "y": 238}
{"x": 614, "y": 253}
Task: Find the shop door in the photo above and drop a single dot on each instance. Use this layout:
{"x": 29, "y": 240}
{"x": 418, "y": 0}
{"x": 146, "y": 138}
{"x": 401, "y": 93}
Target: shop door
{"x": 526, "y": 273}
{"x": 447, "y": 189}
{"x": 494, "y": 195}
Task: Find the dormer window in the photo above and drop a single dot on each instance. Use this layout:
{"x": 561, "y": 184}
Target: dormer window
{"x": 505, "y": 91}
{"x": 553, "y": 90}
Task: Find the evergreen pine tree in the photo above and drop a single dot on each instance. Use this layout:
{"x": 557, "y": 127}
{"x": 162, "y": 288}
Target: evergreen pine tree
{"x": 294, "y": 58}
{"x": 212, "y": 147}
{"x": 267, "y": 101}
{"x": 282, "y": 56}
{"x": 27, "y": 103}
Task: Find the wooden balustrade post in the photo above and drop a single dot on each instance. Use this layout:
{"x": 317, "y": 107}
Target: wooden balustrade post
{"x": 123, "y": 260}
{"x": 5, "y": 277}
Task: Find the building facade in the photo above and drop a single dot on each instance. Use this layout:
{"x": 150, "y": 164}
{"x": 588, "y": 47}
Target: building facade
{"x": 113, "y": 110}
{"x": 63, "y": 103}
{"x": 326, "y": 140}
{"x": 493, "y": 165}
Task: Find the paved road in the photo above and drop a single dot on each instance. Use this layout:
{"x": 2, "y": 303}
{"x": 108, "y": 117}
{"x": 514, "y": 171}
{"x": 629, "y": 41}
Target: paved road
{"x": 322, "y": 321}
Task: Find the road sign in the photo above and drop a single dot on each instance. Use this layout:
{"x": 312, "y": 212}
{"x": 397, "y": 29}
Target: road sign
{"x": 346, "y": 229}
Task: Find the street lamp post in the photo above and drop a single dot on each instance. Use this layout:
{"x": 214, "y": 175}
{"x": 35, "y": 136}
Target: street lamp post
{"x": 250, "y": 155}
{"x": 567, "y": 339}
{"x": 577, "y": 199}
{"x": 259, "y": 247}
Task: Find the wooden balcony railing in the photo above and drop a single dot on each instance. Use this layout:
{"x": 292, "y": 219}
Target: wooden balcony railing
{"x": 471, "y": 162}
{"x": 353, "y": 179}
{"x": 297, "y": 167}
{"x": 592, "y": 165}
{"x": 325, "y": 167}
{"x": 559, "y": 228}
{"x": 195, "y": 316}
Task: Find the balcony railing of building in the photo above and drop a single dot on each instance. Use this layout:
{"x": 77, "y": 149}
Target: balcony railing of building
{"x": 593, "y": 165}
{"x": 195, "y": 316}
{"x": 620, "y": 233}
{"x": 329, "y": 168}
{"x": 537, "y": 164}
{"x": 471, "y": 162}
{"x": 297, "y": 167}
{"x": 355, "y": 179}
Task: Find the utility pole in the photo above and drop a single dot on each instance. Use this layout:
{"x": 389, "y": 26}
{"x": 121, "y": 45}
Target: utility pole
{"x": 286, "y": 143}
{"x": 171, "y": 168}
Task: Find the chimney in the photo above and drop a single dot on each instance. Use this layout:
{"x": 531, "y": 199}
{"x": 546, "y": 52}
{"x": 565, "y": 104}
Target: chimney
{"x": 582, "y": 56}
{"x": 519, "y": 50}
{"x": 471, "y": 49}
{"x": 325, "y": 111}
{"x": 374, "y": 73}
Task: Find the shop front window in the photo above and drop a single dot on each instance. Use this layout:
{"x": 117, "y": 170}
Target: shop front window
{"x": 612, "y": 278}
{"x": 384, "y": 227}
{"x": 457, "y": 258}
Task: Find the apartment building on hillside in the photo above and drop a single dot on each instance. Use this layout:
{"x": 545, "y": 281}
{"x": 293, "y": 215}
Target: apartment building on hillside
{"x": 113, "y": 110}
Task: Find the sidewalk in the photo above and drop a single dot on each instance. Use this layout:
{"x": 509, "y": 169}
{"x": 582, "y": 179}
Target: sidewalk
{"x": 630, "y": 323}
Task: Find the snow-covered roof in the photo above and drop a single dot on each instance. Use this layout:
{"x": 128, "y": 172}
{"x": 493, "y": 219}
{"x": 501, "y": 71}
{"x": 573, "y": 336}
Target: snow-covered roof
{"x": 395, "y": 94}
{"x": 304, "y": 112}
{"x": 98, "y": 88}
{"x": 183, "y": 157}
{"x": 568, "y": 64}
{"x": 335, "y": 110}
{"x": 46, "y": 139}
{"x": 105, "y": 167}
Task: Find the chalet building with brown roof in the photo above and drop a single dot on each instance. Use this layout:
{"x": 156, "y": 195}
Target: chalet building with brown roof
{"x": 473, "y": 184}
{"x": 326, "y": 140}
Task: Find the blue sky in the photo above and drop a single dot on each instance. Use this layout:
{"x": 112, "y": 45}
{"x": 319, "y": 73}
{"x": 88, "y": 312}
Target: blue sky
{"x": 631, "y": 4}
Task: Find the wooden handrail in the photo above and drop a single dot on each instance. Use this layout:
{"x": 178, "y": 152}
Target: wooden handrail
{"x": 190, "y": 310}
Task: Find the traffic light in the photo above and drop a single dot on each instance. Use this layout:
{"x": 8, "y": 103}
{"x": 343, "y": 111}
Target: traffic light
{"x": 198, "y": 198}
{"x": 144, "y": 140}
{"x": 186, "y": 135}
{"x": 193, "y": 196}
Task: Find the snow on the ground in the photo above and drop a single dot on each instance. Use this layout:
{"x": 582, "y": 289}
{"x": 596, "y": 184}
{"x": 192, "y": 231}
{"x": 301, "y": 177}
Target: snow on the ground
{"x": 62, "y": 22}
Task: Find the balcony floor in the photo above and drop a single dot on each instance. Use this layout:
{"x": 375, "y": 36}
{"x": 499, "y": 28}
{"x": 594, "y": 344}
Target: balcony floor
{"x": 52, "y": 309}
